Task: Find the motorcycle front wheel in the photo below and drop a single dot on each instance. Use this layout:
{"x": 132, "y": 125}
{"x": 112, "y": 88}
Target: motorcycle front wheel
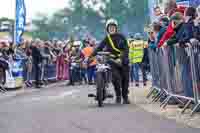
{"x": 100, "y": 84}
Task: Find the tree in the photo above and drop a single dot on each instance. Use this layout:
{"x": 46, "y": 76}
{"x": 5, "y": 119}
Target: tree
{"x": 90, "y": 16}
{"x": 42, "y": 27}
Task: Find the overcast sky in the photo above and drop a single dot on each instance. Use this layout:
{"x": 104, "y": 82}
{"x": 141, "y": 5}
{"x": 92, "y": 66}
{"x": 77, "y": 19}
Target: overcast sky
{"x": 32, "y": 6}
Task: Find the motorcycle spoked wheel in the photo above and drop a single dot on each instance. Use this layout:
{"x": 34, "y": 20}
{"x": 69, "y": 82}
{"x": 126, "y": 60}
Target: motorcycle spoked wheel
{"x": 100, "y": 84}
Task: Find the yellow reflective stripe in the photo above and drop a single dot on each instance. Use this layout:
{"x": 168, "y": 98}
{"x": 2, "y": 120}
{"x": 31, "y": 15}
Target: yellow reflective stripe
{"x": 111, "y": 55}
{"x": 136, "y": 50}
{"x": 137, "y": 57}
{"x": 112, "y": 44}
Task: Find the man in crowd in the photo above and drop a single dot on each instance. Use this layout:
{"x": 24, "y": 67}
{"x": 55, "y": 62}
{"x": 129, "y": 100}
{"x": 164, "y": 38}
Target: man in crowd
{"x": 136, "y": 54}
{"x": 37, "y": 60}
{"x": 157, "y": 13}
{"x": 75, "y": 59}
{"x": 44, "y": 50}
{"x": 170, "y": 9}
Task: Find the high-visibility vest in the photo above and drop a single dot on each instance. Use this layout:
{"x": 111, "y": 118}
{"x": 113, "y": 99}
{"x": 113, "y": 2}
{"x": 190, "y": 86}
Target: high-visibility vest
{"x": 136, "y": 51}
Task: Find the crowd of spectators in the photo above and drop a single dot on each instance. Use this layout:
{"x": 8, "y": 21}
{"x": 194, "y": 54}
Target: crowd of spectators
{"x": 173, "y": 31}
{"x": 38, "y": 55}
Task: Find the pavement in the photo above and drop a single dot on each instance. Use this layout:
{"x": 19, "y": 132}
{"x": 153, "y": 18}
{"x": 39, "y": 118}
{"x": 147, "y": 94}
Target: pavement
{"x": 170, "y": 112}
{"x": 60, "y": 109}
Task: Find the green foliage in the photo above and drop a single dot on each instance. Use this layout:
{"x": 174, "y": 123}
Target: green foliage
{"x": 6, "y": 19}
{"x": 81, "y": 17}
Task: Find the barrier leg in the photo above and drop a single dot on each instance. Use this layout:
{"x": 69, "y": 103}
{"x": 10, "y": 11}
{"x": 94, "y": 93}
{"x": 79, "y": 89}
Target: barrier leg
{"x": 195, "y": 109}
{"x": 157, "y": 96}
{"x": 164, "y": 102}
{"x": 161, "y": 94}
{"x": 179, "y": 101}
{"x": 167, "y": 100}
{"x": 186, "y": 106}
{"x": 152, "y": 89}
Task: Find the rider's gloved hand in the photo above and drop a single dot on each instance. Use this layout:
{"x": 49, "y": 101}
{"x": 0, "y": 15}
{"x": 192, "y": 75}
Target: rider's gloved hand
{"x": 125, "y": 61}
{"x": 118, "y": 61}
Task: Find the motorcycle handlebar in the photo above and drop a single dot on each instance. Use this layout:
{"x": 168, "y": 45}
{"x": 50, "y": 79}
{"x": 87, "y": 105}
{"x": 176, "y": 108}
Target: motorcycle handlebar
{"x": 103, "y": 53}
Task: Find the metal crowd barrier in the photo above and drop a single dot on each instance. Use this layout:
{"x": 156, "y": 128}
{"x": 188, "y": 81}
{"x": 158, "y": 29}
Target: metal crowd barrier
{"x": 48, "y": 72}
{"x": 176, "y": 75}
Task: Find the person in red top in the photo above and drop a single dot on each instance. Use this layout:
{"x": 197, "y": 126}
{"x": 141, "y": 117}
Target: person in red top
{"x": 170, "y": 8}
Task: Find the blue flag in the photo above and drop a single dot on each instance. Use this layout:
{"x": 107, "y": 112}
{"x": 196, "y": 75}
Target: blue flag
{"x": 195, "y": 3}
{"x": 20, "y": 20}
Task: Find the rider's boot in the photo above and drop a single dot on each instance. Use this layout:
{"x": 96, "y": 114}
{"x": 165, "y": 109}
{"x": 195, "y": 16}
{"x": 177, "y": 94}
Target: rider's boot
{"x": 118, "y": 100}
{"x": 126, "y": 101}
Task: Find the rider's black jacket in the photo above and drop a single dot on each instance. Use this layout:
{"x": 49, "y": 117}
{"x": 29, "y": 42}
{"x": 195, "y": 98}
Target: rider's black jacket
{"x": 120, "y": 43}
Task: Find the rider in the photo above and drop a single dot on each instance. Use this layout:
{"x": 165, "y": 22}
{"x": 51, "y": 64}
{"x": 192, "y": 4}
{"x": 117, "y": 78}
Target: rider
{"x": 117, "y": 45}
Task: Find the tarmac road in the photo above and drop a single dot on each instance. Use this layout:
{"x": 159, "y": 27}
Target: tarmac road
{"x": 62, "y": 109}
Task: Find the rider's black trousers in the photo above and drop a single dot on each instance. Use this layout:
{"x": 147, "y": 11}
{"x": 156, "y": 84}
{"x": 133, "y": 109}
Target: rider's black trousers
{"x": 120, "y": 80}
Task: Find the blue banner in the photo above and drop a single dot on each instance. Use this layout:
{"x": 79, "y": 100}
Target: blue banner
{"x": 20, "y": 20}
{"x": 185, "y": 3}
{"x": 195, "y": 3}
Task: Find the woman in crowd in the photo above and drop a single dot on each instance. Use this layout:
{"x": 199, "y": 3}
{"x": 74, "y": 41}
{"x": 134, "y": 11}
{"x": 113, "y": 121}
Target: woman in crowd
{"x": 66, "y": 62}
{"x": 60, "y": 60}
{"x": 29, "y": 66}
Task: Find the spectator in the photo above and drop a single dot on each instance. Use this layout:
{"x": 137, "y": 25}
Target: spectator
{"x": 11, "y": 49}
{"x": 197, "y": 24}
{"x": 157, "y": 13}
{"x": 136, "y": 56}
{"x": 170, "y": 9}
{"x": 29, "y": 66}
{"x": 45, "y": 61}
{"x": 151, "y": 40}
{"x": 37, "y": 60}
{"x": 87, "y": 51}
{"x": 84, "y": 64}
{"x": 4, "y": 49}
{"x": 182, "y": 37}
{"x": 158, "y": 30}
{"x": 60, "y": 61}
{"x": 75, "y": 60}
{"x": 66, "y": 63}
{"x": 197, "y": 21}
{"x": 184, "y": 31}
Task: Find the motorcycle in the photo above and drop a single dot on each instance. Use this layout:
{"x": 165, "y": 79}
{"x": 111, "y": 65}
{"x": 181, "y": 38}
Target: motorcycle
{"x": 103, "y": 79}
